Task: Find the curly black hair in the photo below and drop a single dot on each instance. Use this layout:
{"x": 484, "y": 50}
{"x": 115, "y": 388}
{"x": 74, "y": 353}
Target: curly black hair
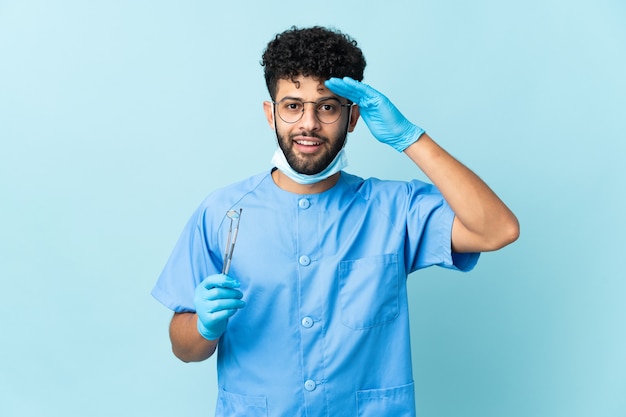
{"x": 317, "y": 52}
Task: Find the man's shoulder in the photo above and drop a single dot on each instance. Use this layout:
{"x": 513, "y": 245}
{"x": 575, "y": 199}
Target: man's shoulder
{"x": 373, "y": 186}
{"x": 231, "y": 193}
{"x": 249, "y": 183}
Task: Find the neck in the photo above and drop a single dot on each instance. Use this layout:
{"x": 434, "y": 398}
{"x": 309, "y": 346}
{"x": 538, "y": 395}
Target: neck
{"x": 285, "y": 183}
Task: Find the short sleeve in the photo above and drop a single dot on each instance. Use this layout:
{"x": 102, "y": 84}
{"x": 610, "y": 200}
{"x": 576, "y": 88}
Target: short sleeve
{"x": 429, "y": 231}
{"x": 189, "y": 263}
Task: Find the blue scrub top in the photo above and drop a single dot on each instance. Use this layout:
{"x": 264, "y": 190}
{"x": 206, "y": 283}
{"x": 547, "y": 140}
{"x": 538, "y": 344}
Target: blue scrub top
{"x": 325, "y": 330}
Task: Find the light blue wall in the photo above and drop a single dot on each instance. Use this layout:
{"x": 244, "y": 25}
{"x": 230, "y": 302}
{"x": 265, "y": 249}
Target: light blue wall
{"x": 118, "y": 117}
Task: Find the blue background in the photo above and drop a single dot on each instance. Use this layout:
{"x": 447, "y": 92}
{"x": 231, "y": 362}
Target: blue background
{"x": 118, "y": 117}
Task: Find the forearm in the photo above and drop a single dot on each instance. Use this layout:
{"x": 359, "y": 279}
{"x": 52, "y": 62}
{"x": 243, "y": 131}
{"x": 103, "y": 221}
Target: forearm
{"x": 483, "y": 222}
{"x": 187, "y": 344}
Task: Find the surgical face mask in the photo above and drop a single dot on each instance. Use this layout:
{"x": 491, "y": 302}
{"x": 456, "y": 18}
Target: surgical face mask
{"x": 280, "y": 162}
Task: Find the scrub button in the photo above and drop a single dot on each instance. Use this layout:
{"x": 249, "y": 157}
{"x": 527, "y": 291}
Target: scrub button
{"x": 310, "y": 385}
{"x": 307, "y": 322}
{"x": 304, "y": 203}
{"x": 304, "y": 260}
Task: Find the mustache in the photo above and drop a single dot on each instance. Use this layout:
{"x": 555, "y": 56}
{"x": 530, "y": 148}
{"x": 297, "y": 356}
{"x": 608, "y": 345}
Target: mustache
{"x": 308, "y": 135}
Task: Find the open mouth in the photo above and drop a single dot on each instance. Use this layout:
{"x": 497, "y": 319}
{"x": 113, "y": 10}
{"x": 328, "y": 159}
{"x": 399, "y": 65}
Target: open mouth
{"x": 308, "y": 142}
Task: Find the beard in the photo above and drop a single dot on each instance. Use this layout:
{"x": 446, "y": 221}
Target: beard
{"x": 312, "y": 164}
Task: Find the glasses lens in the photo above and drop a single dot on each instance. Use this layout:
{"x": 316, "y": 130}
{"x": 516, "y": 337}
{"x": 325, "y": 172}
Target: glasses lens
{"x": 292, "y": 110}
{"x": 328, "y": 111}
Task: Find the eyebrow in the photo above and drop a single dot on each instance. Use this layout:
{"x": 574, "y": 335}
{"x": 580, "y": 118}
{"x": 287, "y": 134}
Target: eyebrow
{"x": 318, "y": 100}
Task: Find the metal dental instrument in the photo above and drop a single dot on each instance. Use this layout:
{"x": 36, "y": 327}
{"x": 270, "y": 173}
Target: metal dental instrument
{"x": 230, "y": 245}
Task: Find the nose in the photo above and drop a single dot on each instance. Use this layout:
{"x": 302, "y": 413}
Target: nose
{"x": 309, "y": 120}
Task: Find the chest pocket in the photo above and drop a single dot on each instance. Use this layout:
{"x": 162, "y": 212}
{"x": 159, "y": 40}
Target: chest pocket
{"x": 369, "y": 291}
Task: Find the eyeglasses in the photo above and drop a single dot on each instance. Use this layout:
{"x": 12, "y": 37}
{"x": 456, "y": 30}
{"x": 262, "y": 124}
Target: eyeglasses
{"x": 327, "y": 110}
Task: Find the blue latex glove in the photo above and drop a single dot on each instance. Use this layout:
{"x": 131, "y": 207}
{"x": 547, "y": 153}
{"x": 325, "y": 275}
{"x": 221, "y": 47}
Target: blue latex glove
{"x": 383, "y": 119}
{"x": 216, "y": 299}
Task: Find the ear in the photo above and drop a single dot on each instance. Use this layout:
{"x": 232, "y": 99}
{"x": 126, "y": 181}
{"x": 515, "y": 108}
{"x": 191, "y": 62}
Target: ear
{"x": 354, "y": 117}
{"x": 268, "y": 108}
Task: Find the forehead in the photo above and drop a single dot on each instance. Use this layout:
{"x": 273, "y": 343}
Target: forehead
{"x": 302, "y": 87}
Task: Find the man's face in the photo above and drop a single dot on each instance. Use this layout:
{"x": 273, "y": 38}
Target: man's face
{"x": 309, "y": 144}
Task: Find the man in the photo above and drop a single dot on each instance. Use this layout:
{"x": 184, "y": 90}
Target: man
{"x": 312, "y": 319}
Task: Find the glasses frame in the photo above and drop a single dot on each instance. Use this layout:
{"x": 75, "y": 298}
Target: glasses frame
{"x": 315, "y": 103}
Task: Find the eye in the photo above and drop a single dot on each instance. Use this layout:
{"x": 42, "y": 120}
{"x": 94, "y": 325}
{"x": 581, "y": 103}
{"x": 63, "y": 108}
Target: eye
{"x": 291, "y": 106}
{"x": 330, "y": 106}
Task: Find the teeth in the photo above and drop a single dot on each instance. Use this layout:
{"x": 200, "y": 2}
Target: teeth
{"x": 307, "y": 142}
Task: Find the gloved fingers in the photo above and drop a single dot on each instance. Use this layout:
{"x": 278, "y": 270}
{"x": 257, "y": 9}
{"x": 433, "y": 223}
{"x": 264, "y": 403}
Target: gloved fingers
{"x": 216, "y": 306}
{"x": 211, "y": 319}
{"x": 216, "y": 299}
{"x": 353, "y": 90}
{"x": 219, "y": 280}
{"x": 217, "y": 293}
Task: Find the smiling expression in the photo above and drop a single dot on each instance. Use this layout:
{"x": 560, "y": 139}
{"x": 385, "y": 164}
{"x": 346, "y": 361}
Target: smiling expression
{"x": 309, "y": 145}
